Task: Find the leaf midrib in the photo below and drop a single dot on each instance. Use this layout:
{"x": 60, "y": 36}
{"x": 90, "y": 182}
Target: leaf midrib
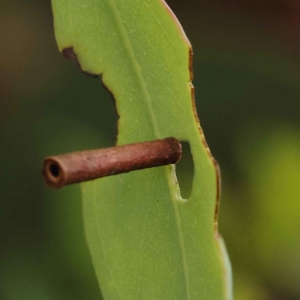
{"x": 148, "y": 101}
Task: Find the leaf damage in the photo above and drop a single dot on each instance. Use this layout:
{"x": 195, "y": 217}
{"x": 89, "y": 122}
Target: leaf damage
{"x": 69, "y": 53}
{"x": 191, "y": 235}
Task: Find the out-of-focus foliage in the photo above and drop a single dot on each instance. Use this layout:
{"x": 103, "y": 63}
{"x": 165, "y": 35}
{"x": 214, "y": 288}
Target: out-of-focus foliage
{"x": 269, "y": 189}
{"x": 247, "y": 86}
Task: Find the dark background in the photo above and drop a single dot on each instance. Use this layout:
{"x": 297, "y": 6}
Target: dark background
{"x": 247, "y": 90}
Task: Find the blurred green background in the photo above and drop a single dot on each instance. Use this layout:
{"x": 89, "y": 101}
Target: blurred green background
{"x": 247, "y": 80}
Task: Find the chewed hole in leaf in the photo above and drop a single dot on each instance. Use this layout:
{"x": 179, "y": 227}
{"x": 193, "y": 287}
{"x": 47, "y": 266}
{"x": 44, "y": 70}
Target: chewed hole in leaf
{"x": 185, "y": 171}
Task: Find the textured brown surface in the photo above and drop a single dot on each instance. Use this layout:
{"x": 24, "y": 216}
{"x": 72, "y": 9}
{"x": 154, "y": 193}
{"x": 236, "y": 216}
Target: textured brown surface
{"x": 87, "y": 165}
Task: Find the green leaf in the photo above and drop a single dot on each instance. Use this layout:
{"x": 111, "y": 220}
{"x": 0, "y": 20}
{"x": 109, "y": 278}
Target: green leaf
{"x": 146, "y": 241}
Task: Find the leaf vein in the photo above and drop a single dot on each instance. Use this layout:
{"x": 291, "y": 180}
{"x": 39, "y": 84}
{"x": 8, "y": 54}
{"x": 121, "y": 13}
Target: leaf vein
{"x": 148, "y": 102}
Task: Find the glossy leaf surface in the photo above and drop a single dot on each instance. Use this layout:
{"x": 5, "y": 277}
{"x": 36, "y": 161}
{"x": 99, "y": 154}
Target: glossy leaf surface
{"x": 146, "y": 241}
